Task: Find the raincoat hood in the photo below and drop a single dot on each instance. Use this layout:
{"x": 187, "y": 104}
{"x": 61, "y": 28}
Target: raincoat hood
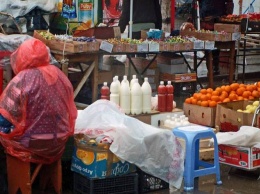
{"x": 32, "y": 53}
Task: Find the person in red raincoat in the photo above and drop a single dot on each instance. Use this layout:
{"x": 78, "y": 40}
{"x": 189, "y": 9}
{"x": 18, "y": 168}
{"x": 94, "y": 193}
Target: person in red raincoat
{"x": 39, "y": 104}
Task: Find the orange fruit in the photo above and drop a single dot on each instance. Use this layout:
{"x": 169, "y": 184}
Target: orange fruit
{"x": 199, "y": 102}
{"x": 234, "y": 86}
{"x": 258, "y": 84}
{"x": 223, "y": 88}
{"x": 215, "y": 93}
{"x": 221, "y": 97}
{"x": 226, "y": 100}
{"x": 240, "y": 91}
{"x": 208, "y": 95}
{"x": 215, "y": 98}
{"x": 250, "y": 88}
{"x": 232, "y": 97}
{"x": 224, "y": 93}
{"x": 205, "y": 103}
{"x": 209, "y": 90}
{"x": 242, "y": 85}
{"x": 258, "y": 89}
{"x": 246, "y": 94}
{"x": 204, "y": 97}
{"x": 194, "y": 101}
{"x": 188, "y": 100}
{"x": 251, "y": 98}
{"x": 212, "y": 104}
{"x": 255, "y": 94}
{"x": 203, "y": 91}
{"x": 196, "y": 95}
{"x": 227, "y": 88}
{"x": 218, "y": 89}
{"x": 240, "y": 98}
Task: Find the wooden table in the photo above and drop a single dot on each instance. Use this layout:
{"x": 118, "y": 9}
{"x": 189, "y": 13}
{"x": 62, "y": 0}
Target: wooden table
{"x": 66, "y": 58}
{"x": 231, "y": 46}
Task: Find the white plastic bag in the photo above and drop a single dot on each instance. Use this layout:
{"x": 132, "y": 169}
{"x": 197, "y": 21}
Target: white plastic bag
{"x": 246, "y": 136}
{"x": 153, "y": 150}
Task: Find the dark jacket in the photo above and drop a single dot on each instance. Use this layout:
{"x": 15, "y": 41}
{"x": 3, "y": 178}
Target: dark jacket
{"x": 210, "y": 10}
{"x": 144, "y": 11}
{"x": 215, "y": 8}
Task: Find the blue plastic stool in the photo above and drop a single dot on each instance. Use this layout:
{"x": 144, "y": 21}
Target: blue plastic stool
{"x": 194, "y": 167}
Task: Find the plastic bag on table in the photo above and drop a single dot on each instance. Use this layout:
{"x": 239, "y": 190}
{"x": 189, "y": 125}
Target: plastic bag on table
{"x": 153, "y": 150}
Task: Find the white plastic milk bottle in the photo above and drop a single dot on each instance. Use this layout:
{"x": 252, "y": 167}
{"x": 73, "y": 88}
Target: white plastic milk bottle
{"x": 136, "y": 98}
{"x": 125, "y": 103}
{"x": 147, "y": 95}
{"x": 114, "y": 92}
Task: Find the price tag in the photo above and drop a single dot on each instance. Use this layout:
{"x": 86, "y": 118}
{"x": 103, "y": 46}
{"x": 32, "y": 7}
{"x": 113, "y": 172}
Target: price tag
{"x": 142, "y": 47}
{"x": 209, "y": 44}
{"x": 198, "y": 44}
{"x": 154, "y": 47}
{"x": 106, "y": 46}
{"x": 236, "y": 35}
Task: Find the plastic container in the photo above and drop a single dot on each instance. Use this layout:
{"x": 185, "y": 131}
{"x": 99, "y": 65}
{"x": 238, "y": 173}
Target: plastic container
{"x": 105, "y": 91}
{"x": 169, "y": 96}
{"x": 136, "y": 98}
{"x": 161, "y": 97}
{"x": 132, "y": 81}
{"x": 114, "y": 92}
{"x": 147, "y": 95}
{"x": 125, "y": 102}
{"x": 125, "y": 78}
{"x": 117, "y": 82}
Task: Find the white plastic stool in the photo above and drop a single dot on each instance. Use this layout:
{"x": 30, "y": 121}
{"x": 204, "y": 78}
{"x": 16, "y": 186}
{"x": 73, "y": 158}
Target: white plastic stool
{"x": 194, "y": 167}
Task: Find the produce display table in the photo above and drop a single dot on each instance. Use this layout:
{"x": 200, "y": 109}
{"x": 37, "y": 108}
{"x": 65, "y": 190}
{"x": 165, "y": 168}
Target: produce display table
{"x": 82, "y": 57}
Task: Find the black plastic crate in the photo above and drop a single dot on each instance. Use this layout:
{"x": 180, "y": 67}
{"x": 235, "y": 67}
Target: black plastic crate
{"x": 125, "y": 184}
{"x": 148, "y": 183}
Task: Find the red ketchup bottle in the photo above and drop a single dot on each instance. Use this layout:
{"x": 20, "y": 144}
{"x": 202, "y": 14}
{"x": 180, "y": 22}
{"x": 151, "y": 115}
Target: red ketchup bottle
{"x": 169, "y": 96}
{"x": 105, "y": 91}
{"x": 161, "y": 97}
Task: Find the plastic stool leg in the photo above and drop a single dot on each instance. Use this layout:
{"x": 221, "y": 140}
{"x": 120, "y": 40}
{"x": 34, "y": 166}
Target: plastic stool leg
{"x": 51, "y": 173}
{"x": 189, "y": 167}
{"x": 18, "y": 175}
{"x": 216, "y": 162}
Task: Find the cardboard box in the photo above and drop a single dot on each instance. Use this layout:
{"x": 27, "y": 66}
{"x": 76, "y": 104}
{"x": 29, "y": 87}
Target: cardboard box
{"x": 189, "y": 33}
{"x": 92, "y": 46}
{"x": 239, "y": 156}
{"x": 173, "y": 69}
{"x": 214, "y": 37}
{"x": 163, "y": 46}
{"x": 200, "y": 115}
{"x": 36, "y": 34}
{"x": 71, "y": 47}
{"x": 100, "y": 32}
{"x": 226, "y": 27}
{"x": 98, "y": 162}
{"x": 146, "y": 118}
{"x": 164, "y": 58}
{"x": 184, "y": 77}
{"x": 228, "y": 119}
{"x": 120, "y": 47}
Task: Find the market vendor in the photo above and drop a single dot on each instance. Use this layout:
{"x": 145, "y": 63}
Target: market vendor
{"x": 144, "y": 11}
{"x": 210, "y": 11}
{"x": 37, "y": 109}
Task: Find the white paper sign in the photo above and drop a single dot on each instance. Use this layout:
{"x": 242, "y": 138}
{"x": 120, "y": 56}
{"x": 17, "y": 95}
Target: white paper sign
{"x": 106, "y": 46}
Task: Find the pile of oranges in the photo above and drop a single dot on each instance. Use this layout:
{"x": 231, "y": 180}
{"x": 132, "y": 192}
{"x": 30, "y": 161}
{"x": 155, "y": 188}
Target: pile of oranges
{"x": 226, "y": 93}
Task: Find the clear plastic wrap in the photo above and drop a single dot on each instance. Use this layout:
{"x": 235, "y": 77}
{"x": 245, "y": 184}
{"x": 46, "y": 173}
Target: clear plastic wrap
{"x": 155, "y": 151}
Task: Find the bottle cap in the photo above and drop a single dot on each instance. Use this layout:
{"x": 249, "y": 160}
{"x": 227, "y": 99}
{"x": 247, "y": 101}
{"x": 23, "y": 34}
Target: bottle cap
{"x": 105, "y": 83}
{"x": 169, "y": 83}
{"x": 161, "y": 83}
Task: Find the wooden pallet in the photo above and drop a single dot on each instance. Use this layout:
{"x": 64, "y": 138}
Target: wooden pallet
{"x": 252, "y": 40}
